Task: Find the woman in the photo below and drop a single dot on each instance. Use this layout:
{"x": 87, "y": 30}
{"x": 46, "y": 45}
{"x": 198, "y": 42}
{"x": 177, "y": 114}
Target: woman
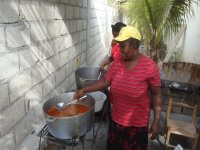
{"x": 130, "y": 78}
{"x": 115, "y": 49}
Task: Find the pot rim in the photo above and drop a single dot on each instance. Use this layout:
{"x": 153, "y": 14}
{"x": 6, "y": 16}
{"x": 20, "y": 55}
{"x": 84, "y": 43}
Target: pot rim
{"x": 47, "y": 115}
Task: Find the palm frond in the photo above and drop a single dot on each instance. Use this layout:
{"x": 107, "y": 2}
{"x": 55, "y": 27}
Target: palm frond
{"x": 158, "y": 18}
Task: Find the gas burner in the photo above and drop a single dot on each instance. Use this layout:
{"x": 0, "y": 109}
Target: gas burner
{"x": 45, "y": 134}
{"x": 181, "y": 87}
{"x": 175, "y": 84}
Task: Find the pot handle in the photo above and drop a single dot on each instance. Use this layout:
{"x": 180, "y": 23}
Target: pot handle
{"x": 85, "y": 80}
{"x": 50, "y": 119}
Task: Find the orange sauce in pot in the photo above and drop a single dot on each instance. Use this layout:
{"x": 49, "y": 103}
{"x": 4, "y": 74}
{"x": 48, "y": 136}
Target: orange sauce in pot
{"x": 69, "y": 110}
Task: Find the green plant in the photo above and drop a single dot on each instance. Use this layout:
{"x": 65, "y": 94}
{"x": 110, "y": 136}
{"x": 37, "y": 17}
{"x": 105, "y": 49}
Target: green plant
{"x": 157, "y": 19}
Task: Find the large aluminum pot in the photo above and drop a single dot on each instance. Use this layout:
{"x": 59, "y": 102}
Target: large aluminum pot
{"x": 87, "y": 75}
{"x": 73, "y": 126}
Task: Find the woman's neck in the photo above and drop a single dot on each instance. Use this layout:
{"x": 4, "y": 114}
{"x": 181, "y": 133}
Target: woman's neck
{"x": 130, "y": 64}
{"x": 134, "y": 58}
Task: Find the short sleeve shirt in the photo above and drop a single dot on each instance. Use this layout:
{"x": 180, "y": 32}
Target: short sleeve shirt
{"x": 115, "y": 51}
{"x": 129, "y": 91}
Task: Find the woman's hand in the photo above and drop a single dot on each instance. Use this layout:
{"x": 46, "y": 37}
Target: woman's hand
{"x": 157, "y": 101}
{"x": 154, "y": 130}
{"x": 106, "y": 62}
{"x": 102, "y": 67}
{"x": 79, "y": 93}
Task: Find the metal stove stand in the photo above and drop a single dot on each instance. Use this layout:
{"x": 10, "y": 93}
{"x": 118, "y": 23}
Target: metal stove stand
{"x": 45, "y": 134}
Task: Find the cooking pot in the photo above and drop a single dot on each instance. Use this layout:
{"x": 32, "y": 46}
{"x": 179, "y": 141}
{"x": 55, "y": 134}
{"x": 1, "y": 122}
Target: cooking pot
{"x": 71, "y": 126}
{"x": 87, "y": 76}
{"x": 99, "y": 98}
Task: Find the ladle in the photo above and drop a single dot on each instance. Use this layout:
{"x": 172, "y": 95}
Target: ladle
{"x": 99, "y": 75}
{"x": 61, "y": 105}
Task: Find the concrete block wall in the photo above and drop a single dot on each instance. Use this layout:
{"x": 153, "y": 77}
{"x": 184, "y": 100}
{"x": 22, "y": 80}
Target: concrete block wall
{"x": 42, "y": 43}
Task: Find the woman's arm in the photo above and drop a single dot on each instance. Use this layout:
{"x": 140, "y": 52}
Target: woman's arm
{"x": 97, "y": 86}
{"x": 157, "y": 101}
{"x": 106, "y": 62}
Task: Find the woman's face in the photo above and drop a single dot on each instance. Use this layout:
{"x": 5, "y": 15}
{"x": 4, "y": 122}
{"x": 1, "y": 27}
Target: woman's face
{"x": 115, "y": 34}
{"x": 127, "y": 51}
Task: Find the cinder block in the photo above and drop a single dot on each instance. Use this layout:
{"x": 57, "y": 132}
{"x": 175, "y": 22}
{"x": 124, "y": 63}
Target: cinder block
{"x": 12, "y": 65}
{"x": 7, "y": 142}
{"x": 2, "y": 40}
{"x": 71, "y": 52}
{"x": 79, "y": 25}
{"x": 4, "y": 95}
{"x": 33, "y": 97}
{"x": 83, "y": 13}
{"x": 45, "y": 50}
{"x": 38, "y": 73}
{"x": 60, "y": 75}
{"x": 9, "y": 11}
{"x": 73, "y": 2}
{"x": 85, "y": 3}
{"x": 20, "y": 84}
{"x": 69, "y": 12}
{"x": 64, "y": 1}
{"x": 59, "y": 44}
{"x": 39, "y": 31}
{"x": 18, "y": 36}
{"x": 39, "y": 110}
{"x": 84, "y": 46}
{"x": 75, "y": 37}
{"x": 91, "y": 4}
{"x": 77, "y": 49}
{"x": 11, "y": 116}
{"x": 83, "y": 58}
{"x": 57, "y": 28}
{"x": 60, "y": 11}
{"x": 47, "y": 11}
{"x": 83, "y": 35}
{"x": 53, "y": 0}
{"x": 84, "y": 64}
{"x": 68, "y": 41}
{"x": 72, "y": 79}
{"x": 92, "y": 13}
{"x": 64, "y": 57}
{"x": 55, "y": 61}
{"x": 69, "y": 68}
{"x": 64, "y": 29}
{"x": 54, "y": 28}
{"x": 30, "y": 10}
{"x": 80, "y": 3}
{"x": 28, "y": 57}
{"x": 91, "y": 23}
{"x": 64, "y": 86}
{"x": 72, "y": 26}
{"x": 64, "y": 45}
{"x": 84, "y": 24}
{"x": 92, "y": 32}
{"x": 47, "y": 67}
{"x": 24, "y": 127}
{"x": 48, "y": 84}
{"x": 76, "y": 12}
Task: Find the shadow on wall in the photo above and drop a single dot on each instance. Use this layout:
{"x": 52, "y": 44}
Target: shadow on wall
{"x": 41, "y": 45}
{"x": 181, "y": 72}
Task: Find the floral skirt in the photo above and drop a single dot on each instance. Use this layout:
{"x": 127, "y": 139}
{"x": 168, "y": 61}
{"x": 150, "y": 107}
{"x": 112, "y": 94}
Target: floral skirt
{"x": 126, "y": 138}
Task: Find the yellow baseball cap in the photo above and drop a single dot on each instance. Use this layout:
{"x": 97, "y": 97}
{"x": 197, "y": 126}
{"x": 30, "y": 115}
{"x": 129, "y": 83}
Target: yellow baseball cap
{"x": 128, "y": 32}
